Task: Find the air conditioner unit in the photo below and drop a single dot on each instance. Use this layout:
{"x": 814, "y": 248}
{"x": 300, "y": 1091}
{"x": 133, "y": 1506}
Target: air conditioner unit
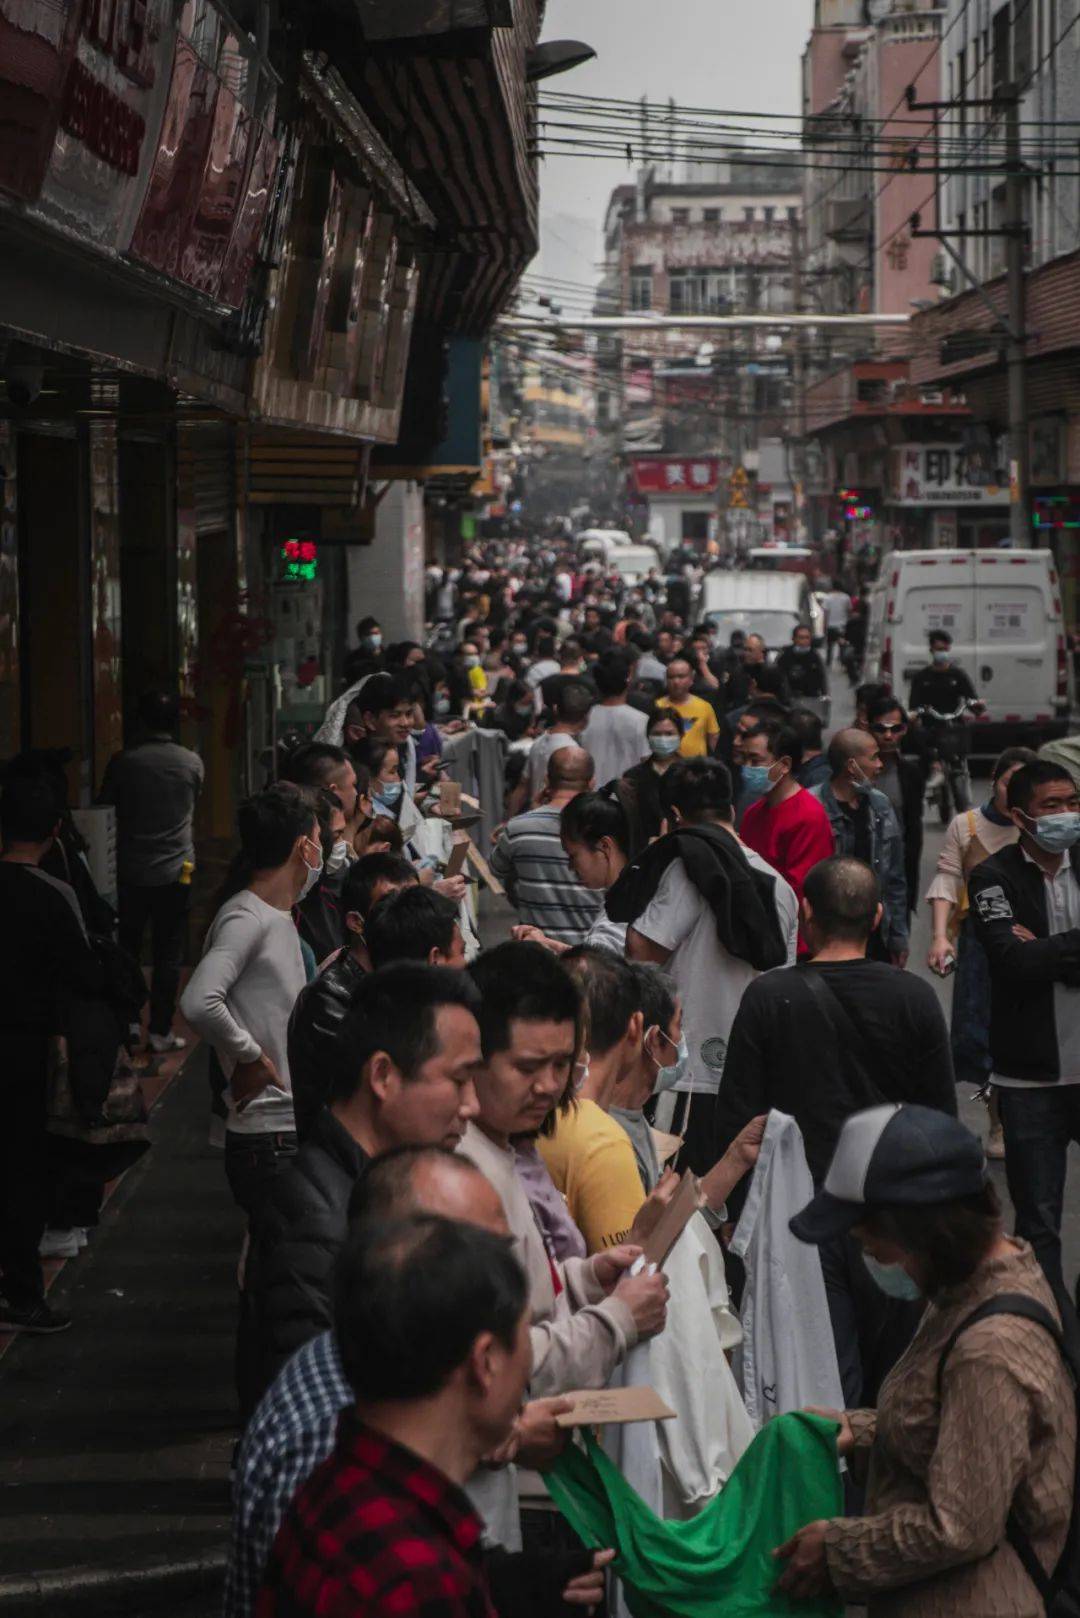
{"x": 941, "y": 274}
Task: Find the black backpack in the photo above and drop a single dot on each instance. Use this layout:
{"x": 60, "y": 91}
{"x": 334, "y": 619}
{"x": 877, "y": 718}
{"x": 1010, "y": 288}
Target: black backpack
{"x": 1060, "y": 1590}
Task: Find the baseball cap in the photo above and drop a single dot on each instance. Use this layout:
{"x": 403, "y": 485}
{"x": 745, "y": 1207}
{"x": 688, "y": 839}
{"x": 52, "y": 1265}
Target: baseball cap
{"x": 892, "y": 1154}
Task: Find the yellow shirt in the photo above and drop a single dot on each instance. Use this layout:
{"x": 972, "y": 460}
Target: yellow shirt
{"x": 591, "y": 1161}
{"x": 702, "y": 725}
{"x": 478, "y": 680}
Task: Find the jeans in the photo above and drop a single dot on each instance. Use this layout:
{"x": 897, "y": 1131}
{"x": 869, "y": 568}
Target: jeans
{"x": 24, "y": 1174}
{"x": 253, "y": 1163}
{"x": 166, "y": 909}
{"x": 971, "y": 1010}
{"x": 1039, "y": 1125}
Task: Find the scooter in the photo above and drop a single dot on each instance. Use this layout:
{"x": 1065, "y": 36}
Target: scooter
{"x": 948, "y": 734}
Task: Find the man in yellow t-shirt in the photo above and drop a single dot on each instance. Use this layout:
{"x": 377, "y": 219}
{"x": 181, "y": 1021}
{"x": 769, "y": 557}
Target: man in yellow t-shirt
{"x": 700, "y": 724}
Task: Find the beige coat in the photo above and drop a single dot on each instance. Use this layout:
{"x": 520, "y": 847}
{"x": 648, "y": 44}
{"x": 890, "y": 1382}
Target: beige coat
{"x": 942, "y": 1477}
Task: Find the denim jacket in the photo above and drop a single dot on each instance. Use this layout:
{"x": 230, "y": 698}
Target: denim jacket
{"x": 886, "y": 859}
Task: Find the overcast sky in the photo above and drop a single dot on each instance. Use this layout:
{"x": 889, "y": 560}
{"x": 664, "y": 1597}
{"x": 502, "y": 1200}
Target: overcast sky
{"x": 740, "y": 54}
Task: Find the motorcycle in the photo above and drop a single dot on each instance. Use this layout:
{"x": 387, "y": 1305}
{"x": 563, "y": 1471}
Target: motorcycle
{"x": 950, "y": 738}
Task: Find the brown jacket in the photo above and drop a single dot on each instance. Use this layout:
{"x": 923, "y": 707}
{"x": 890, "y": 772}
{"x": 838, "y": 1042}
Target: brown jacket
{"x": 943, "y": 1476}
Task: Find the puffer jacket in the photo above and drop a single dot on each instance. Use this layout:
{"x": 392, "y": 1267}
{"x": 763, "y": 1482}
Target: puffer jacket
{"x": 313, "y": 1027}
{"x": 289, "y": 1272}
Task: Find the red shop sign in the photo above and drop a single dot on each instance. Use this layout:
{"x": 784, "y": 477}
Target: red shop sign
{"x": 672, "y": 474}
{"x": 37, "y": 45}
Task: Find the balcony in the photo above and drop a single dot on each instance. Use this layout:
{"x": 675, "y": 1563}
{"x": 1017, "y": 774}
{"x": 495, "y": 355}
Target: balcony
{"x": 847, "y": 219}
{"x": 386, "y": 20}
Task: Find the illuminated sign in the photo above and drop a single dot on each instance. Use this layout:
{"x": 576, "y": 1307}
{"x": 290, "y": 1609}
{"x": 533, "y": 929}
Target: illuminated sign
{"x": 300, "y": 560}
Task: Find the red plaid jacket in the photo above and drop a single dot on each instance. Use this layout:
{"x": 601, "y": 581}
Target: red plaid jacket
{"x": 376, "y": 1531}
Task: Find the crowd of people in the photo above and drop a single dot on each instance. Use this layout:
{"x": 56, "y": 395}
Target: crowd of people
{"x": 455, "y": 1163}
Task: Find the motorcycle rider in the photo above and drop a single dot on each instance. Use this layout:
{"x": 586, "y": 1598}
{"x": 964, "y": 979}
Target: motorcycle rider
{"x": 944, "y": 687}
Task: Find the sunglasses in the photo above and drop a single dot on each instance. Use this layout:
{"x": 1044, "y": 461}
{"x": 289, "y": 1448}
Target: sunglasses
{"x": 888, "y": 730}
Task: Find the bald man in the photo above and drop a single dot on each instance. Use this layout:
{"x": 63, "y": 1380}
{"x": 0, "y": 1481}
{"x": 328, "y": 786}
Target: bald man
{"x": 865, "y": 828}
{"x": 294, "y": 1427}
{"x": 529, "y": 856}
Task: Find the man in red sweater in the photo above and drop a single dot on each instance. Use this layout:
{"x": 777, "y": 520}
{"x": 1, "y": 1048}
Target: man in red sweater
{"x": 785, "y": 824}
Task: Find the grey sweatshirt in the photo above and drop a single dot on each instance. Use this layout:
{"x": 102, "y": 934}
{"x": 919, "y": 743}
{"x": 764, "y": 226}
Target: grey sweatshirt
{"x": 240, "y": 997}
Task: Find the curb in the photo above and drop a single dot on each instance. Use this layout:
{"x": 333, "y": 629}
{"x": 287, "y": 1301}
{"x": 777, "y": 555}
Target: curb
{"x": 112, "y": 1591}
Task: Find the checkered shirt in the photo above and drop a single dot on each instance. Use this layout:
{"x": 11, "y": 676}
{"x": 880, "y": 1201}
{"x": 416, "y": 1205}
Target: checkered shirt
{"x": 376, "y": 1532}
{"x": 291, "y": 1432}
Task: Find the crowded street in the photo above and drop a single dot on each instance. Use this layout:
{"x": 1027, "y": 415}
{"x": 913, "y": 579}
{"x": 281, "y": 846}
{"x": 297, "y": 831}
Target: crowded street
{"x": 539, "y": 809}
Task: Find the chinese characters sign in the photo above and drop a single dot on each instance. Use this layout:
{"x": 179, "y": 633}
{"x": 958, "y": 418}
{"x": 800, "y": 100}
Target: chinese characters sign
{"x": 692, "y": 476}
{"x": 941, "y": 474}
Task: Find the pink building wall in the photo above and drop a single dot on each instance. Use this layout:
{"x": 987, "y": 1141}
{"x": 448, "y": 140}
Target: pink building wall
{"x": 902, "y": 268}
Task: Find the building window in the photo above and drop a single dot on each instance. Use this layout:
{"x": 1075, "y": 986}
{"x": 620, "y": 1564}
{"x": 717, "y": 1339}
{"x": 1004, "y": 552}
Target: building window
{"x": 680, "y": 216}
{"x": 793, "y": 214}
{"x": 748, "y": 215}
{"x": 768, "y": 214}
{"x": 641, "y": 287}
{"x": 712, "y": 216}
{"x": 699, "y": 292}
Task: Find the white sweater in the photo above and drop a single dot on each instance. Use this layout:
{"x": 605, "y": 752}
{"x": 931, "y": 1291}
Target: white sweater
{"x": 240, "y": 997}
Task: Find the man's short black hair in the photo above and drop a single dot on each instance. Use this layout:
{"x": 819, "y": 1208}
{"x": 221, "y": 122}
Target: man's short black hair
{"x": 769, "y": 680}
{"x": 380, "y": 694}
{"x": 699, "y": 788}
{"x": 610, "y": 993}
{"x": 30, "y": 809}
{"x": 866, "y": 695}
{"x": 412, "y": 1296}
{"x": 844, "y": 895}
{"x": 270, "y": 822}
{"x": 574, "y": 700}
{"x": 1023, "y": 784}
{"x": 809, "y": 728}
{"x": 521, "y": 982}
{"x": 783, "y": 739}
{"x": 657, "y": 994}
{"x": 367, "y": 873}
{"x": 408, "y": 924}
{"x": 313, "y": 764}
{"x": 940, "y": 637}
{"x": 611, "y": 673}
{"x": 885, "y": 704}
{"x": 365, "y": 626}
{"x": 159, "y": 709}
{"x": 394, "y": 1011}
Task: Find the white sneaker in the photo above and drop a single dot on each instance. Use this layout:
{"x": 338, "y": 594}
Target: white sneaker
{"x": 59, "y": 1244}
{"x": 166, "y": 1042}
{"x": 82, "y": 1235}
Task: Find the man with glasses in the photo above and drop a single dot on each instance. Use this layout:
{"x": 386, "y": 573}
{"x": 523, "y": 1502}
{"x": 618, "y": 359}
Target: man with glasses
{"x": 903, "y": 781}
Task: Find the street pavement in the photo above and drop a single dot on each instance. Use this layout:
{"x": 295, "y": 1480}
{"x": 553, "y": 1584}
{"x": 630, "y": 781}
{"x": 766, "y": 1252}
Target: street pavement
{"x": 115, "y": 1436}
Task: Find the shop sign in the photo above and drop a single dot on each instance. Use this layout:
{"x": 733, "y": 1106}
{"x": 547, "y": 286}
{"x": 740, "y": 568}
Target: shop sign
{"x": 940, "y": 475}
{"x": 37, "y": 47}
{"x": 694, "y": 476}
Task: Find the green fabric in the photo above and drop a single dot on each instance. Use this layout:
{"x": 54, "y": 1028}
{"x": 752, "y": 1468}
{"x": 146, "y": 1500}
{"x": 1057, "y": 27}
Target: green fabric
{"x": 720, "y": 1563}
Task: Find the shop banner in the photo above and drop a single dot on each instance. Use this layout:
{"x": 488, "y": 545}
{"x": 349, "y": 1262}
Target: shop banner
{"x": 698, "y": 475}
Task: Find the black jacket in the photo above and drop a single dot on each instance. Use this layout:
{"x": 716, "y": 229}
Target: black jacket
{"x": 912, "y": 791}
{"x": 804, "y": 673}
{"x": 1006, "y": 891}
{"x": 289, "y": 1272}
{"x": 741, "y": 898}
{"x": 646, "y": 810}
{"x": 316, "y": 1017}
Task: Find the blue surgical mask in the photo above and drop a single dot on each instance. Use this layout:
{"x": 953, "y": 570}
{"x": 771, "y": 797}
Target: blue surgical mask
{"x": 939, "y": 656}
{"x": 664, "y": 746}
{"x": 1055, "y": 833}
{"x": 373, "y": 642}
{"x": 862, "y": 784}
{"x": 311, "y": 876}
{"x": 389, "y": 792}
{"x": 440, "y": 704}
{"x": 472, "y": 661}
{"x": 755, "y": 780}
{"x": 893, "y": 1280}
{"x": 668, "y": 1077}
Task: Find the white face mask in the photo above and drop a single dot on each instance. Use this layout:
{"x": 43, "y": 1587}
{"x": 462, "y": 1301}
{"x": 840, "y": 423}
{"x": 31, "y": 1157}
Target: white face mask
{"x": 314, "y": 872}
{"x": 668, "y": 1077}
{"x": 338, "y": 858}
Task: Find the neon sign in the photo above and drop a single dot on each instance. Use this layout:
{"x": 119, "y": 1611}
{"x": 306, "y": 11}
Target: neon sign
{"x": 300, "y": 560}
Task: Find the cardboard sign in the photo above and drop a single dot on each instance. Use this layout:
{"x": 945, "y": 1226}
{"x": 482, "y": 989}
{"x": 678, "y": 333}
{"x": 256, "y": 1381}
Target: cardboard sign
{"x": 667, "y": 1146}
{"x": 450, "y": 797}
{"x": 487, "y": 875}
{"x": 459, "y": 852}
{"x": 608, "y": 1406}
{"x": 686, "y": 1202}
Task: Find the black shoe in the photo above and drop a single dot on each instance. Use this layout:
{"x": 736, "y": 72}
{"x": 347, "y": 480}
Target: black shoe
{"x": 32, "y": 1317}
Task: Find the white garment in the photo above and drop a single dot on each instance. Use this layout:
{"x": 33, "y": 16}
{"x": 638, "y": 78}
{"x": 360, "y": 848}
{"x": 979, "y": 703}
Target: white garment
{"x": 540, "y": 753}
{"x": 837, "y": 606}
{"x": 607, "y": 934}
{"x": 711, "y": 982}
{"x": 678, "y": 1466}
{"x": 240, "y": 997}
{"x": 615, "y": 739}
{"x": 788, "y": 1356}
{"x": 540, "y": 671}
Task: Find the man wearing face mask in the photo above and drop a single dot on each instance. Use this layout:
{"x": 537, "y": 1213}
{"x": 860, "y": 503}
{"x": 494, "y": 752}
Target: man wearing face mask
{"x": 784, "y": 823}
{"x": 803, "y": 668}
{"x": 866, "y": 828}
{"x": 1025, "y": 906}
{"x": 943, "y": 685}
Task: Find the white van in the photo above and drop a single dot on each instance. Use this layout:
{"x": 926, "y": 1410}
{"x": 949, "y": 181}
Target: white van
{"x": 632, "y": 562}
{"x": 597, "y": 544}
{"x": 1003, "y": 611}
{"x": 771, "y": 605}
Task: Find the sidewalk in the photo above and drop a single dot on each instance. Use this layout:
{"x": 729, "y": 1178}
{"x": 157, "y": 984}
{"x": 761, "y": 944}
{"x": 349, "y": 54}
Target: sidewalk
{"x": 115, "y": 1436}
